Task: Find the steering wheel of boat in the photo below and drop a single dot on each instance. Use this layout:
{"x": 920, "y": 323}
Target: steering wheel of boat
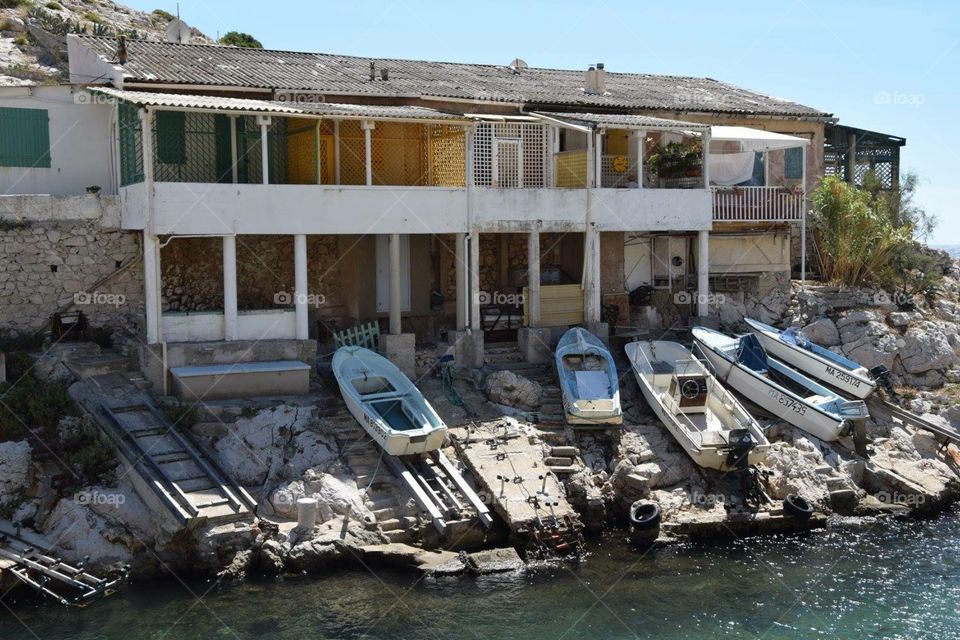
{"x": 690, "y": 389}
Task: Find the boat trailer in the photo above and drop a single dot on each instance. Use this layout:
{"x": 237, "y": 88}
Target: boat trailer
{"x": 438, "y": 488}
{"x": 51, "y": 577}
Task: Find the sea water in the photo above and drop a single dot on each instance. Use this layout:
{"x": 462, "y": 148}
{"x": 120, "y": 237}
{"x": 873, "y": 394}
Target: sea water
{"x": 869, "y": 579}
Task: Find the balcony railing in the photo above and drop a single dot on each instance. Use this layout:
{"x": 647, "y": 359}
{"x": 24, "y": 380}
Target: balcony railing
{"x": 757, "y": 204}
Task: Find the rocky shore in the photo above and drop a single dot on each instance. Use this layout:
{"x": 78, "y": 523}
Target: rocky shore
{"x": 282, "y": 450}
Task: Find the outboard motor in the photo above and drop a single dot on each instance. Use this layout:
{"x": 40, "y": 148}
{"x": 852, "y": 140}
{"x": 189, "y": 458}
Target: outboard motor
{"x": 882, "y": 375}
{"x": 739, "y": 445}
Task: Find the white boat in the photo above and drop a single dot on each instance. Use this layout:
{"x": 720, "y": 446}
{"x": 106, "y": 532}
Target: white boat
{"x": 743, "y": 365}
{"x": 386, "y": 403}
{"x": 588, "y": 379}
{"x": 795, "y": 349}
{"x": 704, "y": 418}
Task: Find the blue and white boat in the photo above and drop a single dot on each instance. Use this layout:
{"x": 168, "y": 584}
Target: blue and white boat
{"x": 743, "y": 365}
{"x": 794, "y": 348}
{"x": 588, "y": 379}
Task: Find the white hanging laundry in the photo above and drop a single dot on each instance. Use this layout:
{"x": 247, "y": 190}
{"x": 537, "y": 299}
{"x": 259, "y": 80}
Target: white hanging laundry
{"x": 731, "y": 168}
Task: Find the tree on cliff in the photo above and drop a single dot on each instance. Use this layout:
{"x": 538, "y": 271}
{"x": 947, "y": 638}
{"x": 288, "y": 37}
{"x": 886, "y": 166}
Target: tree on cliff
{"x": 239, "y": 39}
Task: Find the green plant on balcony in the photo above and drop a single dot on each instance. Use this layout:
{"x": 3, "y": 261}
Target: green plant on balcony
{"x": 677, "y": 160}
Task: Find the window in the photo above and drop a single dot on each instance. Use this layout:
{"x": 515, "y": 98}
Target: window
{"x": 24, "y": 137}
{"x": 793, "y": 163}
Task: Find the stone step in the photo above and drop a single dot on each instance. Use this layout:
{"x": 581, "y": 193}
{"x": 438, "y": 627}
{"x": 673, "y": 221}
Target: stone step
{"x": 398, "y": 535}
{"x": 565, "y": 451}
{"x": 390, "y": 525}
{"x": 558, "y": 462}
{"x": 98, "y": 365}
{"x": 387, "y": 513}
{"x": 564, "y": 471}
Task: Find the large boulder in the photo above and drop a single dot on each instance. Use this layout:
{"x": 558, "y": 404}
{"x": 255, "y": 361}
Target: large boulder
{"x": 14, "y": 471}
{"x": 823, "y": 331}
{"x": 926, "y": 348}
{"x": 509, "y": 389}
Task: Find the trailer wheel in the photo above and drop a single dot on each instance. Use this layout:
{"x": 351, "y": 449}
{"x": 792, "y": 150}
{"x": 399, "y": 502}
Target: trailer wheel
{"x": 796, "y": 506}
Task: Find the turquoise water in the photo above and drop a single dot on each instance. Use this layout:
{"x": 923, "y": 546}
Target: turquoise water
{"x": 889, "y": 580}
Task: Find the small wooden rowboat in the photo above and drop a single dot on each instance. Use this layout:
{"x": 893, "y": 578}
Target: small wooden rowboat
{"x": 386, "y": 403}
{"x": 795, "y": 349}
{"x": 705, "y": 419}
{"x": 588, "y": 379}
{"x": 743, "y": 365}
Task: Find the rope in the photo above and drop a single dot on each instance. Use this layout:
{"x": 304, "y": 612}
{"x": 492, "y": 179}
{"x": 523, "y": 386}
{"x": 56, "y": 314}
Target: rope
{"x": 376, "y": 470}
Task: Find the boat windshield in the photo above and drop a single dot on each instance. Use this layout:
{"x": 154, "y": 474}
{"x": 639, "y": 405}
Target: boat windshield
{"x": 795, "y": 336}
{"x": 751, "y": 354}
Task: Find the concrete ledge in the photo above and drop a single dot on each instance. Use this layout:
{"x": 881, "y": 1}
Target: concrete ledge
{"x": 534, "y": 345}
{"x": 245, "y": 379}
{"x": 467, "y": 347}
{"x": 401, "y": 350}
{"x": 601, "y": 330}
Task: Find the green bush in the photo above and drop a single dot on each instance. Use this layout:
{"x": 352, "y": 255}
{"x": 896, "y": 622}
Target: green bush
{"x": 870, "y": 236}
{"x": 28, "y": 403}
{"x": 54, "y": 6}
{"x": 238, "y": 39}
{"x": 163, "y": 15}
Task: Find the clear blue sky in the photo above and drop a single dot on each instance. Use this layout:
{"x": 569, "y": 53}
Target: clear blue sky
{"x": 888, "y": 66}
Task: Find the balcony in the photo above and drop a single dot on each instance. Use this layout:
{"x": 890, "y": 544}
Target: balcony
{"x": 758, "y": 204}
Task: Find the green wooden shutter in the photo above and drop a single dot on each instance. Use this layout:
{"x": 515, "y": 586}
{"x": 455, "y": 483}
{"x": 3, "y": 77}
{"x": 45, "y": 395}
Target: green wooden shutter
{"x": 224, "y": 150}
{"x": 793, "y": 163}
{"x": 171, "y": 137}
{"x": 24, "y": 137}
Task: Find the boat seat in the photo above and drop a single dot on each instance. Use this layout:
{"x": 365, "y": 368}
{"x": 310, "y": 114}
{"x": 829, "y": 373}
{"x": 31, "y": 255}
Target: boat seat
{"x": 713, "y": 438}
{"x": 662, "y": 373}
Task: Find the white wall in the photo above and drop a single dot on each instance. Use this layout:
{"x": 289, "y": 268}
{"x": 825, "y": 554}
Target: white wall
{"x": 217, "y": 209}
{"x": 81, "y": 143}
{"x": 268, "y": 324}
{"x": 749, "y": 253}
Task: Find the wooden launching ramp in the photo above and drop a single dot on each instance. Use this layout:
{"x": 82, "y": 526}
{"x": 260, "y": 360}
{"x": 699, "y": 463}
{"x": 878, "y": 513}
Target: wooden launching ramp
{"x": 522, "y": 488}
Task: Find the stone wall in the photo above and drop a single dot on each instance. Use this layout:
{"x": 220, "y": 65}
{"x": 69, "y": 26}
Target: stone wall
{"x": 192, "y": 271}
{"x": 60, "y": 253}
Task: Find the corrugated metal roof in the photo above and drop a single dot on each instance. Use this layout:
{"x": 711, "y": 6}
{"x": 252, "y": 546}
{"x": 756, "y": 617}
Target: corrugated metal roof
{"x": 173, "y": 63}
{"x": 325, "y": 109}
{"x": 627, "y": 121}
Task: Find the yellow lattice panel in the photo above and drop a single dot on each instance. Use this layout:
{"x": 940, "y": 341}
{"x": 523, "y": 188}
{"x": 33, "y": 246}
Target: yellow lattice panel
{"x": 571, "y": 168}
{"x": 448, "y": 160}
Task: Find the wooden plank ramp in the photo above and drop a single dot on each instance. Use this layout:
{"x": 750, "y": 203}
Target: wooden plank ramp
{"x": 522, "y": 489}
{"x": 880, "y": 408}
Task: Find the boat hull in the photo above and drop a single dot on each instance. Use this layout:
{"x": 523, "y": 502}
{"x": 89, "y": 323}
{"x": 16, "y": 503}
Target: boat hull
{"x": 706, "y": 457}
{"x": 834, "y": 375}
{"x": 777, "y": 402}
{"x": 419, "y": 428}
{"x": 594, "y": 410}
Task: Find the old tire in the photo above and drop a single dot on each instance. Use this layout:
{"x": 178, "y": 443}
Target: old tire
{"x": 797, "y": 506}
{"x": 644, "y": 516}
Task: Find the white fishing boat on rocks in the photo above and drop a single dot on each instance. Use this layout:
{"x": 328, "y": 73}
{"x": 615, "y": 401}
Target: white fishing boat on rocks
{"x": 706, "y": 420}
{"x": 386, "y": 403}
{"x": 743, "y": 365}
{"x": 795, "y": 349}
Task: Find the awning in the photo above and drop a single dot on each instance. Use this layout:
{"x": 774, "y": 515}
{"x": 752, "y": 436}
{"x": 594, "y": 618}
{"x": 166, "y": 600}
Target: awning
{"x": 622, "y": 121}
{"x": 756, "y": 139}
{"x": 334, "y": 111}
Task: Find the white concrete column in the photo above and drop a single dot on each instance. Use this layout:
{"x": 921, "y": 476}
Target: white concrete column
{"x": 368, "y": 127}
{"x": 533, "y": 278}
{"x": 395, "y": 322}
{"x": 641, "y": 143}
{"x": 803, "y": 219}
{"x": 151, "y": 287}
{"x": 265, "y": 148}
{"x": 231, "y": 326}
{"x": 336, "y": 152}
{"x": 591, "y": 162}
{"x": 598, "y": 161}
{"x": 591, "y": 287}
{"x": 706, "y": 159}
{"x": 300, "y": 284}
{"x": 703, "y": 273}
{"x": 475, "y": 321}
{"x": 460, "y": 266}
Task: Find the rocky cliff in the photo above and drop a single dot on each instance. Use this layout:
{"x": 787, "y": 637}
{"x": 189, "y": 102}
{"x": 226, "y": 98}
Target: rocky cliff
{"x": 33, "y": 34}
